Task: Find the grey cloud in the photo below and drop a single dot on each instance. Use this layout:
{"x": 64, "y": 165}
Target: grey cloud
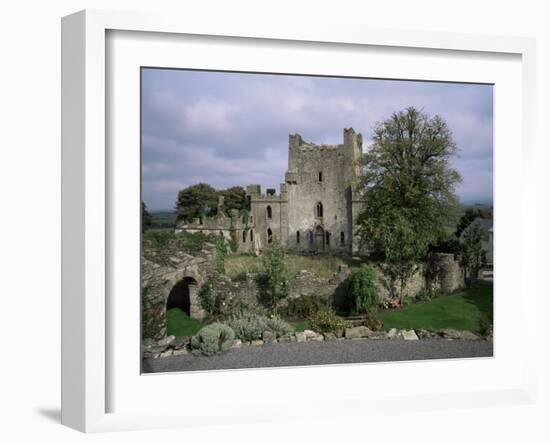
{"x": 232, "y": 129}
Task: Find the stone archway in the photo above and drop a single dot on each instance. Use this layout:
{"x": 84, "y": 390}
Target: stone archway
{"x": 181, "y": 295}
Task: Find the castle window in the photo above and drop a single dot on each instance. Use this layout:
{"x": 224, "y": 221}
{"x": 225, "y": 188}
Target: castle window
{"x": 319, "y": 209}
{"x": 311, "y": 237}
{"x": 221, "y": 233}
{"x": 297, "y": 237}
{"x": 327, "y": 236}
{"x": 251, "y": 235}
{"x": 269, "y": 236}
{"x": 244, "y": 236}
{"x": 342, "y": 238}
{"x": 320, "y": 176}
{"x": 268, "y": 211}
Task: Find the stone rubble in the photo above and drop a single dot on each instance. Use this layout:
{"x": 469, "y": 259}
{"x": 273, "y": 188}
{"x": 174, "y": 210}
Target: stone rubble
{"x": 176, "y": 346}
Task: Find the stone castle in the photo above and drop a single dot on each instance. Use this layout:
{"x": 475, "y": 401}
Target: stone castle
{"x": 315, "y": 210}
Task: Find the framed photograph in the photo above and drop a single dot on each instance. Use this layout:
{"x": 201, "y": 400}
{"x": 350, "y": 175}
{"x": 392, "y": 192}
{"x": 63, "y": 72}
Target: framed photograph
{"x": 280, "y": 215}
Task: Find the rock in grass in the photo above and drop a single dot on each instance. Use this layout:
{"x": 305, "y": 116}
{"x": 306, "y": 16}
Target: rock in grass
{"x": 179, "y": 352}
{"x": 165, "y": 342}
{"x": 357, "y": 332}
{"x": 237, "y": 343}
{"x": 269, "y": 337}
{"x": 409, "y": 335}
{"x": 284, "y": 339}
{"x": 393, "y": 333}
{"x": 257, "y": 343}
{"x": 313, "y": 336}
{"x": 460, "y": 334}
{"x": 300, "y": 337}
{"x": 166, "y": 353}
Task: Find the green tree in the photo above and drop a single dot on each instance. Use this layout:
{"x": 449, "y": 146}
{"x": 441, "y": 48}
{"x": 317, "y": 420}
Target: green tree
{"x": 146, "y": 218}
{"x": 473, "y": 255}
{"x": 234, "y": 198}
{"x": 193, "y": 201}
{"x": 362, "y": 284}
{"x": 409, "y": 185}
{"x": 275, "y": 268}
{"x": 469, "y": 215}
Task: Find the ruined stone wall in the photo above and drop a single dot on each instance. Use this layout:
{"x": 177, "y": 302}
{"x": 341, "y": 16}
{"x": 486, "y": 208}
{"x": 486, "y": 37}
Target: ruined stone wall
{"x": 161, "y": 270}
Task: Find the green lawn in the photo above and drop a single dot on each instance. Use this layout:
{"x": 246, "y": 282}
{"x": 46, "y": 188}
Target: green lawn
{"x": 178, "y": 323}
{"x": 460, "y": 311}
{"x": 300, "y": 325}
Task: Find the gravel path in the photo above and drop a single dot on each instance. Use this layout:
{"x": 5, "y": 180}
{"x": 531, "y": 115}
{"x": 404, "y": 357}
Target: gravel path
{"x": 317, "y": 353}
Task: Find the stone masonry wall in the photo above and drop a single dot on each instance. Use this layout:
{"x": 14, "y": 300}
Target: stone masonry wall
{"x": 160, "y": 272}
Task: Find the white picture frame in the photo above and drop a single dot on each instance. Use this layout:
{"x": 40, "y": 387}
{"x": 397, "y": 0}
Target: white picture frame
{"x": 87, "y": 211}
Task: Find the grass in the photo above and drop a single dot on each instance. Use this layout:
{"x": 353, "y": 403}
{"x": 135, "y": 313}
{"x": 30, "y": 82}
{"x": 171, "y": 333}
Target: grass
{"x": 460, "y": 311}
{"x": 178, "y": 323}
{"x": 322, "y": 266}
{"x": 300, "y": 325}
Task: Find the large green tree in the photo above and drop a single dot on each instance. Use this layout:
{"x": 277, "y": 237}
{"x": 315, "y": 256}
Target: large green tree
{"x": 193, "y": 201}
{"x": 234, "y": 198}
{"x": 409, "y": 188}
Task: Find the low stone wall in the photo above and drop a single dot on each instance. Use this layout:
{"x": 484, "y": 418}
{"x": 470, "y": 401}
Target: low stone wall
{"x": 172, "y": 346}
{"x": 443, "y": 272}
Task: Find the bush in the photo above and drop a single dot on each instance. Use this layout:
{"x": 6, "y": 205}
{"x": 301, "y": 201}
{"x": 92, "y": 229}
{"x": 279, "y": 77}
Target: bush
{"x": 210, "y": 300}
{"x": 221, "y": 252}
{"x": 362, "y": 284}
{"x": 212, "y": 339}
{"x": 274, "y": 282}
{"x": 233, "y": 246}
{"x": 304, "y": 306}
{"x": 279, "y": 327}
{"x": 240, "y": 277}
{"x": 373, "y": 322}
{"x": 250, "y": 326}
{"x": 485, "y": 326}
{"x": 424, "y": 295}
{"x": 186, "y": 241}
{"x": 326, "y": 321}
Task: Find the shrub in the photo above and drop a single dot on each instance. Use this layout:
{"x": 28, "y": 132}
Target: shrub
{"x": 212, "y": 339}
{"x": 210, "y": 300}
{"x": 221, "y": 252}
{"x": 304, "y": 306}
{"x": 362, "y": 285}
{"x": 423, "y": 295}
{"x": 279, "y": 327}
{"x": 373, "y": 322}
{"x": 485, "y": 326}
{"x": 326, "y": 321}
{"x": 274, "y": 283}
{"x": 233, "y": 246}
{"x": 240, "y": 277}
{"x": 250, "y": 326}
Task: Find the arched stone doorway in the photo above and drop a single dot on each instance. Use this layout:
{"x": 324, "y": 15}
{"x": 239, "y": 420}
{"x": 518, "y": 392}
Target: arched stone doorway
{"x": 319, "y": 238}
{"x": 181, "y": 294}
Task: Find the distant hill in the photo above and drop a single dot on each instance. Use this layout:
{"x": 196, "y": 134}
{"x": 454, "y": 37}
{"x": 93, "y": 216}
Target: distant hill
{"x": 163, "y": 218}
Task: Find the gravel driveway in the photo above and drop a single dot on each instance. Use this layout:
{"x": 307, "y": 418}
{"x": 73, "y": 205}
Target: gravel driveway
{"x": 318, "y": 353}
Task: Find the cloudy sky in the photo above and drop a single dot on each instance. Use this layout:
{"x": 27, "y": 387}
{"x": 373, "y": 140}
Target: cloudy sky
{"x": 231, "y": 129}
